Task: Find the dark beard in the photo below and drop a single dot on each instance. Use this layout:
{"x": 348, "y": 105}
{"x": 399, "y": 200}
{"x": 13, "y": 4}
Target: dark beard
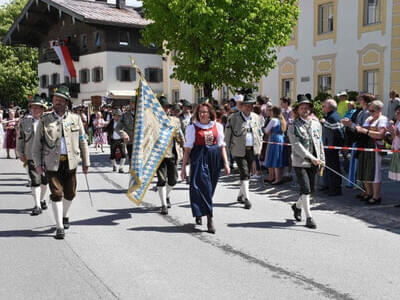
{"x": 60, "y": 110}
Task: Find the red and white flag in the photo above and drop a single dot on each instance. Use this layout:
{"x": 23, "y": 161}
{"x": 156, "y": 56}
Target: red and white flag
{"x": 66, "y": 60}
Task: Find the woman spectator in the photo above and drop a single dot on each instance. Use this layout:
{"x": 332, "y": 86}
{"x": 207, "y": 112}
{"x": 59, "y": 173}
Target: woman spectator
{"x": 276, "y": 158}
{"x": 98, "y": 124}
{"x": 10, "y": 125}
{"x": 394, "y": 129}
{"x": 206, "y": 149}
{"x": 369, "y": 163}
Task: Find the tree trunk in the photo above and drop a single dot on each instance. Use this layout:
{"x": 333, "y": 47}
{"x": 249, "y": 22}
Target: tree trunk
{"x": 207, "y": 87}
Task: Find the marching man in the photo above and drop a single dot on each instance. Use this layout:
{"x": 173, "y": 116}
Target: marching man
{"x": 27, "y": 130}
{"x": 243, "y": 137}
{"x": 167, "y": 172}
{"x": 305, "y": 135}
{"x": 59, "y": 143}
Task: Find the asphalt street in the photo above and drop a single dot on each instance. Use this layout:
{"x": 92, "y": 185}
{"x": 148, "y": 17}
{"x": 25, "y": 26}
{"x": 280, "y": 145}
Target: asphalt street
{"x": 117, "y": 250}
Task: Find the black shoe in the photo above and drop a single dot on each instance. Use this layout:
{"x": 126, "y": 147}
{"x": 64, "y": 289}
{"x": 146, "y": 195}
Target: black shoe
{"x": 187, "y": 180}
{"x": 43, "y": 205}
{"x": 366, "y": 198}
{"x": 373, "y": 201}
{"x": 114, "y": 169}
{"x": 287, "y": 178}
{"x": 36, "y": 211}
{"x": 60, "y": 234}
{"x": 28, "y": 184}
{"x": 198, "y": 220}
{"x": 247, "y": 204}
{"x": 164, "y": 210}
{"x": 168, "y": 203}
{"x": 240, "y": 199}
{"x": 296, "y": 212}
{"x": 121, "y": 170}
{"x": 66, "y": 223}
{"x": 310, "y": 223}
{"x": 210, "y": 225}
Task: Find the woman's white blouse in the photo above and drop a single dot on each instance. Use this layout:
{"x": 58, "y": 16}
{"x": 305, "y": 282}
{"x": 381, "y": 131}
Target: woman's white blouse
{"x": 191, "y": 133}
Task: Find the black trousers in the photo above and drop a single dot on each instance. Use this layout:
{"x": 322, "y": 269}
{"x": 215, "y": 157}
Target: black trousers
{"x": 306, "y": 179}
{"x": 167, "y": 172}
{"x": 331, "y": 180}
{"x": 36, "y": 178}
{"x": 245, "y": 163}
{"x": 117, "y": 144}
{"x": 129, "y": 148}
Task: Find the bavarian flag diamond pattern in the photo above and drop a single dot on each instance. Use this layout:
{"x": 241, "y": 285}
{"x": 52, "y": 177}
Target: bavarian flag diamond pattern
{"x": 153, "y": 134}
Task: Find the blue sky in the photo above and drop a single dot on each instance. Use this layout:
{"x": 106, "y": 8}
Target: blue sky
{"x": 129, "y": 2}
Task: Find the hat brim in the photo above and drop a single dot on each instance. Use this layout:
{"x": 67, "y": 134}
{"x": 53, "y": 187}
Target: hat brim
{"x": 62, "y": 96}
{"x": 305, "y": 102}
{"x": 249, "y": 102}
{"x": 38, "y": 104}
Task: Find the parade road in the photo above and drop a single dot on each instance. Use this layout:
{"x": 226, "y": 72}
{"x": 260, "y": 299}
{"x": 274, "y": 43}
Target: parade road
{"x": 117, "y": 250}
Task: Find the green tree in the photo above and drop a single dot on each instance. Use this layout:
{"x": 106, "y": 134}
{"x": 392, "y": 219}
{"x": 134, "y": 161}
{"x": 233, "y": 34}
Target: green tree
{"x": 220, "y": 42}
{"x": 18, "y": 65}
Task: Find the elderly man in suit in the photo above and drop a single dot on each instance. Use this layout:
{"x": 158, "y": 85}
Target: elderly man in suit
{"x": 59, "y": 144}
{"x": 243, "y": 138}
{"x": 305, "y": 135}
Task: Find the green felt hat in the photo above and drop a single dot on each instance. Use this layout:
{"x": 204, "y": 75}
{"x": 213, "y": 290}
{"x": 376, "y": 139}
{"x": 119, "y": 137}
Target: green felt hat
{"x": 36, "y": 100}
{"x": 186, "y": 103}
{"x": 203, "y": 100}
{"x": 163, "y": 101}
{"x": 63, "y": 92}
{"x": 249, "y": 99}
{"x": 117, "y": 112}
{"x": 303, "y": 99}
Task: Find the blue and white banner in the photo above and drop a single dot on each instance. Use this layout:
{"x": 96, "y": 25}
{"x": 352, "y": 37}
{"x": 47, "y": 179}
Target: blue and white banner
{"x": 153, "y": 134}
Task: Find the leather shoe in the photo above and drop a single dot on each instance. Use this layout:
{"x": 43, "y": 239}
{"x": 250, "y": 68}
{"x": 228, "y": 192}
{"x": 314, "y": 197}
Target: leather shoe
{"x": 164, "y": 210}
{"x": 240, "y": 199}
{"x": 296, "y": 212}
{"x": 66, "y": 223}
{"x": 43, "y": 205}
{"x": 198, "y": 220}
{"x": 247, "y": 204}
{"x": 210, "y": 225}
{"x": 60, "y": 234}
{"x": 36, "y": 211}
{"x": 114, "y": 169}
{"x": 310, "y": 223}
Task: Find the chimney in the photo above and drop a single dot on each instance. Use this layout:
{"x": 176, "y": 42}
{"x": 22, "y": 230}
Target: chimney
{"x": 121, "y": 4}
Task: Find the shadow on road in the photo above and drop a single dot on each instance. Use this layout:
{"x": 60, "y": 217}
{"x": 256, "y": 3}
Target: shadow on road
{"x": 27, "y": 233}
{"x": 287, "y": 225}
{"x": 16, "y": 211}
{"x": 186, "y": 228}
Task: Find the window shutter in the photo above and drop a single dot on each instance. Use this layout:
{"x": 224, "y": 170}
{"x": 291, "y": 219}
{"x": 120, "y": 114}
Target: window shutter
{"x": 132, "y": 75}
{"x": 80, "y": 76}
{"x": 160, "y": 75}
{"x": 58, "y": 78}
{"x": 147, "y": 74}
{"x": 47, "y": 80}
{"x": 101, "y": 74}
{"x": 119, "y": 73}
{"x": 88, "y": 75}
{"x": 94, "y": 75}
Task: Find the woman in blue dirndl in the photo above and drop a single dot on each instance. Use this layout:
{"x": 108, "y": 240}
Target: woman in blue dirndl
{"x": 206, "y": 149}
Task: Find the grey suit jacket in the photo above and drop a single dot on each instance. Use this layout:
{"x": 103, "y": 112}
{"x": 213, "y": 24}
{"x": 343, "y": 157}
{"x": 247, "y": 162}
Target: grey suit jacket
{"x": 25, "y": 137}
{"x": 126, "y": 126}
{"x": 305, "y": 139}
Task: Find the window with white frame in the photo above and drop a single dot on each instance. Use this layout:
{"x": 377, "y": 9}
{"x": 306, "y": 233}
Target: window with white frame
{"x": 84, "y": 76}
{"x": 55, "y": 79}
{"x": 44, "y": 81}
{"x": 371, "y": 82}
{"x": 324, "y": 83}
{"x": 325, "y": 18}
{"x": 372, "y": 12}
{"x": 175, "y": 96}
{"x": 287, "y": 88}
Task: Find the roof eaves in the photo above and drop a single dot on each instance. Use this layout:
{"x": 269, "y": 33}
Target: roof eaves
{"x": 96, "y": 21}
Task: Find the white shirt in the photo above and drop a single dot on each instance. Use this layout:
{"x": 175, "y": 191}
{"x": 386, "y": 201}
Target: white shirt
{"x": 115, "y": 135}
{"x": 191, "y": 133}
{"x": 35, "y": 124}
{"x": 272, "y": 123}
{"x": 63, "y": 144}
{"x": 249, "y": 134}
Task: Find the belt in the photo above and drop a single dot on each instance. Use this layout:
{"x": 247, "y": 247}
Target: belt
{"x": 249, "y": 147}
{"x": 63, "y": 157}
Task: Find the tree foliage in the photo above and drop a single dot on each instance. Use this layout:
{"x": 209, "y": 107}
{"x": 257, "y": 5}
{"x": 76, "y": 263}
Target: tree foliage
{"x": 18, "y": 65}
{"x": 220, "y": 42}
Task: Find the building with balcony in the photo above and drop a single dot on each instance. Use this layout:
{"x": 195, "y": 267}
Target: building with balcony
{"x": 101, "y": 38}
